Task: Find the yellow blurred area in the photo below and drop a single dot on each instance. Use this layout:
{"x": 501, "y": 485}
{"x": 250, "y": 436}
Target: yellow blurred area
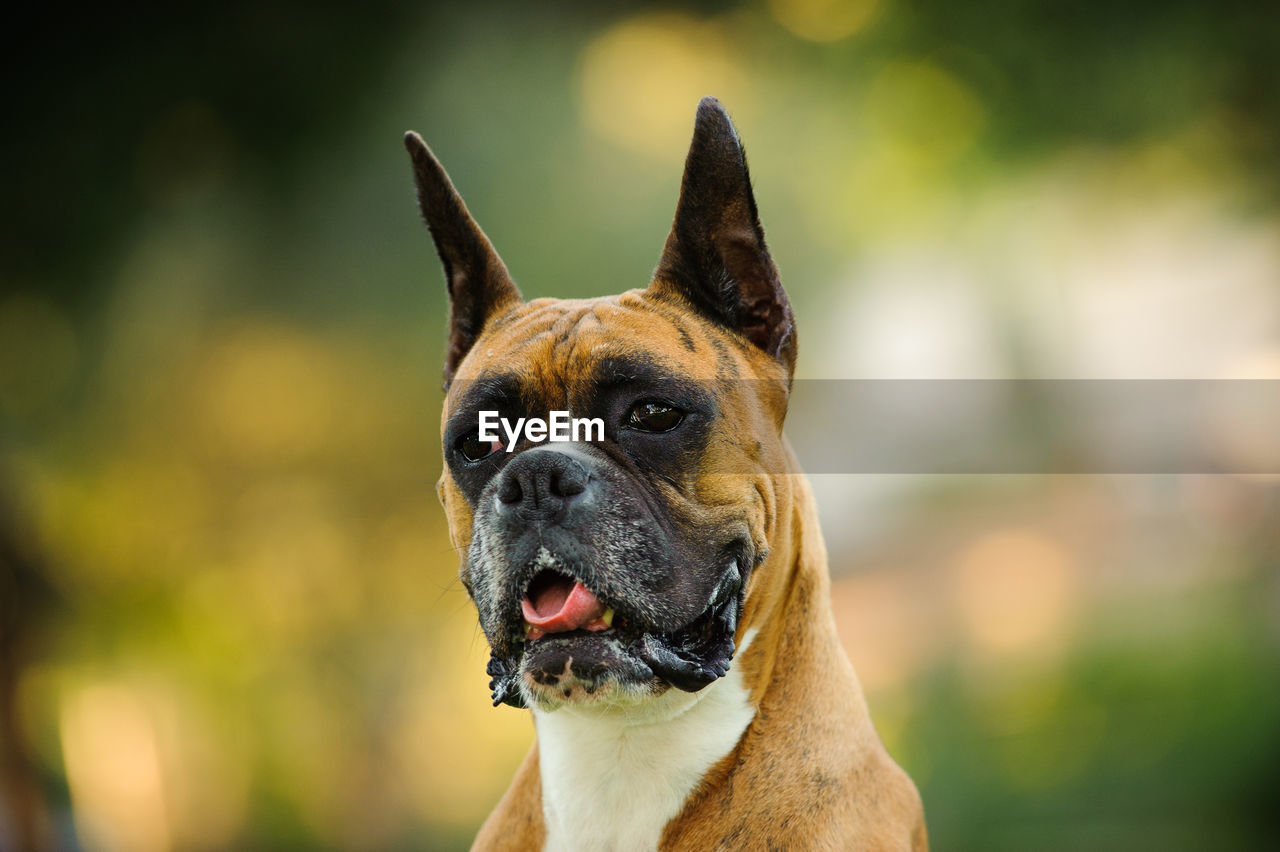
{"x": 1016, "y": 593}
{"x": 113, "y": 767}
{"x": 268, "y": 393}
{"x": 455, "y": 753}
{"x": 292, "y": 504}
{"x": 637, "y": 79}
{"x": 161, "y": 762}
{"x": 131, "y": 519}
{"x": 149, "y": 770}
{"x": 824, "y": 20}
{"x": 925, "y": 109}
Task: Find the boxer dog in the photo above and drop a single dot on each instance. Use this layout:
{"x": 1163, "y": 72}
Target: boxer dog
{"x": 657, "y": 598}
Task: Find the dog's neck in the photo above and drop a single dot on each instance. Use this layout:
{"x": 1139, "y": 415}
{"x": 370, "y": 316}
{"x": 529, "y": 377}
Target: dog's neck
{"x": 612, "y": 778}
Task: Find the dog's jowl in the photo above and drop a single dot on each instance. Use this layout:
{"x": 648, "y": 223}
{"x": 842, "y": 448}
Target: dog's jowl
{"x": 655, "y": 593}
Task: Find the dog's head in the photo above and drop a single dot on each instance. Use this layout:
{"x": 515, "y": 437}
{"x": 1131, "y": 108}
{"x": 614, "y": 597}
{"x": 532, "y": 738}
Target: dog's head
{"x": 614, "y": 568}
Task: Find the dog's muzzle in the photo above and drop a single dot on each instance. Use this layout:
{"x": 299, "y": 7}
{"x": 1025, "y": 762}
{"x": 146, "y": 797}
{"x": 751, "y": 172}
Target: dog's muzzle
{"x": 580, "y": 583}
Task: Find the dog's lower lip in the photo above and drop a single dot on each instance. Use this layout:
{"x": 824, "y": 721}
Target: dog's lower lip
{"x": 567, "y": 634}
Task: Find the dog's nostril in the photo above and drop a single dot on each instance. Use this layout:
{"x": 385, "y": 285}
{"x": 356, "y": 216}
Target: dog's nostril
{"x": 569, "y": 483}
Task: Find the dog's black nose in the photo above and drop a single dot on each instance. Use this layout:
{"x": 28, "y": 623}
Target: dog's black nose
{"x": 541, "y": 484}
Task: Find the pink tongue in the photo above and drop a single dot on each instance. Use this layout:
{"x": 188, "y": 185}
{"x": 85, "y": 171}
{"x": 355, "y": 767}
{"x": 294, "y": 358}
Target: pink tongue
{"x": 558, "y": 607}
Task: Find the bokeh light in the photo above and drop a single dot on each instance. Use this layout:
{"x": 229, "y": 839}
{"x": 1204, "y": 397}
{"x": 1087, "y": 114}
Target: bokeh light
{"x": 1015, "y": 592}
{"x": 824, "y": 20}
{"x": 639, "y": 77}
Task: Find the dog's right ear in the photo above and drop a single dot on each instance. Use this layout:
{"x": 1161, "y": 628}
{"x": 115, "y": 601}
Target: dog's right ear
{"x": 715, "y": 256}
{"x": 479, "y": 285}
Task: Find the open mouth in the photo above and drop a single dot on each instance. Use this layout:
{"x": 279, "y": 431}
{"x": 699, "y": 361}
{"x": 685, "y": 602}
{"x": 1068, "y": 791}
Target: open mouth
{"x": 571, "y": 635}
{"x": 556, "y": 603}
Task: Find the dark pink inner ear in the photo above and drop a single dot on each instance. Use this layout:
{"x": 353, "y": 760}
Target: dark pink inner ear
{"x": 765, "y": 324}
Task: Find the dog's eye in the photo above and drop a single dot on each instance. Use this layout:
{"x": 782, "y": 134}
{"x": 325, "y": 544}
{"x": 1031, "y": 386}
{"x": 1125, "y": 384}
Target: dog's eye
{"x": 474, "y": 449}
{"x": 652, "y": 416}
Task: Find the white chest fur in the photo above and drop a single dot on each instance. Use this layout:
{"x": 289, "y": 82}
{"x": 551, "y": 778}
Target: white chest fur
{"x": 613, "y": 778}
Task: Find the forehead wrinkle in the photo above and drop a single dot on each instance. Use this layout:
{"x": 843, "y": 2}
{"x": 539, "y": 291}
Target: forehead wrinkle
{"x": 533, "y": 319}
{"x": 556, "y": 341}
{"x": 554, "y": 345}
{"x": 620, "y": 332}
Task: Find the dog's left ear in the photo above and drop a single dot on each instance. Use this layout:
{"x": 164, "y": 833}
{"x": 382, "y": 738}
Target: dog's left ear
{"x": 479, "y": 285}
{"x": 715, "y": 256}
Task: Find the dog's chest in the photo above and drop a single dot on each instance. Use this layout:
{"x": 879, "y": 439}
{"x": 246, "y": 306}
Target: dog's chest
{"x": 613, "y": 780}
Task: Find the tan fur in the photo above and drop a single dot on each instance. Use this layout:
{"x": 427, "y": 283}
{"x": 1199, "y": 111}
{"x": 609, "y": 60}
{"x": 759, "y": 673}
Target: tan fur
{"x": 810, "y": 771}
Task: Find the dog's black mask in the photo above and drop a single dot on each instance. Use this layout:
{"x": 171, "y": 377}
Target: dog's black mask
{"x": 611, "y": 515}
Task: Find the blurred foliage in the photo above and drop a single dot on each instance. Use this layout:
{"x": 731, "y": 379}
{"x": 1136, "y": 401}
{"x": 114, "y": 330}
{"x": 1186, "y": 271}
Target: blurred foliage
{"x": 1167, "y": 745}
{"x": 119, "y": 109}
{"x": 231, "y": 617}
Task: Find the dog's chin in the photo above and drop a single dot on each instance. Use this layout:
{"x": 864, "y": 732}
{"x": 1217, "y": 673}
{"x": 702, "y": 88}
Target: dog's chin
{"x": 584, "y": 668}
{"x": 617, "y": 666}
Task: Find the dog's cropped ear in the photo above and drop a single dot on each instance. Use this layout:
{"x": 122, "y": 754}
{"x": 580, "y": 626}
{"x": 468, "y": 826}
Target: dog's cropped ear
{"x": 479, "y": 285}
{"x": 715, "y": 256}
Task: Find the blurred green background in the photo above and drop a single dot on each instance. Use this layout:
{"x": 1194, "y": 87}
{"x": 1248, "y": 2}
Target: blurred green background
{"x": 228, "y": 609}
